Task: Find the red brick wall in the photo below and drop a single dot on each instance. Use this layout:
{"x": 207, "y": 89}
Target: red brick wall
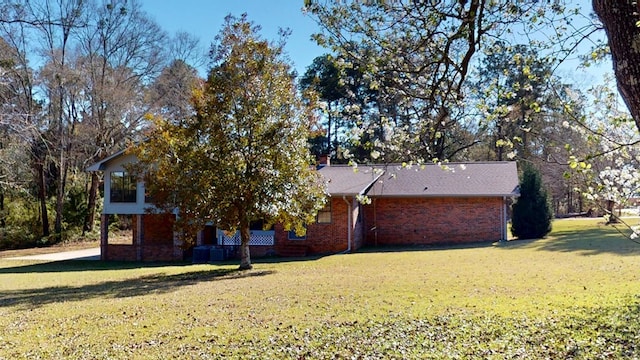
{"x": 412, "y": 221}
{"x": 157, "y": 242}
{"x": 397, "y": 221}
{"x": 117, "y": 252}
{"x": 158, "y": 229}
{"x": 321, "y": 238}
{"x": 158, "y": 253}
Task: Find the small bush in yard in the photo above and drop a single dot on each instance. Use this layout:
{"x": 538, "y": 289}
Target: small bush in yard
{"x": 531, "y": 212}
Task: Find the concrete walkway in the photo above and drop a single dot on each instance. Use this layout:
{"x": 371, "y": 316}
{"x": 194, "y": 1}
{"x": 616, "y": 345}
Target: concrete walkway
{"x": 86, "y": 254}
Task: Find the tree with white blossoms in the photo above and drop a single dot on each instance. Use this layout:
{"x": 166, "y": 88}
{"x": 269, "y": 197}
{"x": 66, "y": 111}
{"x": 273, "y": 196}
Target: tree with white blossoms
{"x": 418, "y": 57}
{"x": 616, "y": 186}
{"x": 609, "y": 172}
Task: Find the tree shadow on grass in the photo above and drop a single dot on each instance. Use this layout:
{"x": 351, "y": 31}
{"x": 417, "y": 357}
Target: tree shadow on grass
{"x": 10, "y": 266}
{"x": 144, "y": 285}
{"x": 426, "y": 247}
{"x": 38, "y": 266}
{"x": 603, "y": 240}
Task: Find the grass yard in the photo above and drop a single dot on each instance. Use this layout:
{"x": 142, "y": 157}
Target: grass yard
{"x": 571, "y": 295}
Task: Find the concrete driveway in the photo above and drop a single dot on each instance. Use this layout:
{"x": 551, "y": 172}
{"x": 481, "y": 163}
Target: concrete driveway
{"x": 86, "y": 254}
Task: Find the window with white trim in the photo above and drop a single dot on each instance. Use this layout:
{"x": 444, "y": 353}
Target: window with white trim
{"x": 324, "y": 215}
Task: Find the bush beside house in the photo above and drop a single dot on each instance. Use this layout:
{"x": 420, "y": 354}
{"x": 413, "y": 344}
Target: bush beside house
{"x": 532, "y": 212}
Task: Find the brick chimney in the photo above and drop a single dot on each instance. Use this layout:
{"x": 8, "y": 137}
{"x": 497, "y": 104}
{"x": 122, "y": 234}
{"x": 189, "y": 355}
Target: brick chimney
{"x": 324, "y": 160}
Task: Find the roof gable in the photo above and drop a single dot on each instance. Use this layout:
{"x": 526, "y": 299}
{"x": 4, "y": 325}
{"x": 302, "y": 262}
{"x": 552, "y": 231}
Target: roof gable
{"x": 102, "y": 164}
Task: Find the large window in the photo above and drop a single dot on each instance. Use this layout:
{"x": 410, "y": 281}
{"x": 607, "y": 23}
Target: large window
{"x": 123, "y": 187}
{"x": 324, "y": 215}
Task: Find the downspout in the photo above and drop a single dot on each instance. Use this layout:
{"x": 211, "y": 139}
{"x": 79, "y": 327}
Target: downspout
{"x": 349, "y": 226}
{"x": 504, "y": 218}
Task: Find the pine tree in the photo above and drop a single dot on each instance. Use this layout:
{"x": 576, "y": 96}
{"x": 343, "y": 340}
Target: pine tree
{"x": 532, "y": 211}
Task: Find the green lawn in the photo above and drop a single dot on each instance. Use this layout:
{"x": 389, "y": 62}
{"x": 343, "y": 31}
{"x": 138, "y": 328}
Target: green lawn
{"x": 572, "y": 295}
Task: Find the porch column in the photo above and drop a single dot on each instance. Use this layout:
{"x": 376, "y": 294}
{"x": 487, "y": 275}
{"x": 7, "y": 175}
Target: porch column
{"x": 199, "y": 238}
{"x": 104, "y": 236}
{"x": 138, "y": 240}
{"x": 178, "y": 253}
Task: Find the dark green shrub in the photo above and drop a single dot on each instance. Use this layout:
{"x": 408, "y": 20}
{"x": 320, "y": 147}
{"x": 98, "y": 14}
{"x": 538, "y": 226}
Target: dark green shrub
{"x": 532, "y": 211}
{"x": 75, "y": 208}
{"x": 22, "y": 224}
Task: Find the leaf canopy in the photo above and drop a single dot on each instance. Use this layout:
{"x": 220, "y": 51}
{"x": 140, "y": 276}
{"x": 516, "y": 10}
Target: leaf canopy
{"x": 243, "y": 156}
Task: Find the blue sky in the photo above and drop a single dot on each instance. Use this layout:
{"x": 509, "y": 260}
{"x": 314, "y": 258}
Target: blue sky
{"x": 204, "y": 19}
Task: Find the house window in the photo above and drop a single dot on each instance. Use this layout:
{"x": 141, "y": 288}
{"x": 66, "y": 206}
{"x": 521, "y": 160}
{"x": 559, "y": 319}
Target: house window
{"x": 123, "y": 187}
{"x": 324, "y": 215}
{"x": 293, "y": 236}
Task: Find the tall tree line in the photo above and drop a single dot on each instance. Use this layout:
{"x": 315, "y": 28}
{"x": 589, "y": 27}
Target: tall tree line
{"x": 469, "y": 80}
{"x": 78, "y": 78}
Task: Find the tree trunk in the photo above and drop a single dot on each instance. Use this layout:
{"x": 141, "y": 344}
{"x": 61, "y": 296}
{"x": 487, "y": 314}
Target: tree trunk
{"x": 329, "y": 120}
{"x": 91, "y": 204}
{"x": 42, "y": 194}
{"x": 60, "y": 197}
{"x": 3, "y": 222}
{"x": 245, "y": 256}
{"x": 613, "y": 219}
{"x": 619, "y": 18}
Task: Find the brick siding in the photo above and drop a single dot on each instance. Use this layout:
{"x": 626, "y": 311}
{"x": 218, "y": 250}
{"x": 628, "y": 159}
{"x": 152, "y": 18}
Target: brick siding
{"x": 119, "y": 252}
{"x": 411, "y": 221}
{"x": 158, "y": 229}
{"x": 386, "y": 221}
{"x": 156, "y": 241}
{"x": 321, "y": 238}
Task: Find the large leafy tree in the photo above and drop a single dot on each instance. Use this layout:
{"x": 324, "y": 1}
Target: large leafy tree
{"x": 512, "y": 90}
{"x": 418, "y": 56}
{"x": 323, "y": 76}
{"x": 243, "y": 156}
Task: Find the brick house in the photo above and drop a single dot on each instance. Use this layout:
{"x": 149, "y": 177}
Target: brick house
{"x": 457, "y": 203}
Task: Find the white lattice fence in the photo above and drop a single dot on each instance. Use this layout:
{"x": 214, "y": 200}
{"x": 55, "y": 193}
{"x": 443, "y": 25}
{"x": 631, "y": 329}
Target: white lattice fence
{"x": 258, "y": 238}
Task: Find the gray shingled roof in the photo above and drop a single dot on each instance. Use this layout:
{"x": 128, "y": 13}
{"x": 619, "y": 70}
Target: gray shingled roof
{"x": 454, "y": 179}
{"x": 346, "y": 180}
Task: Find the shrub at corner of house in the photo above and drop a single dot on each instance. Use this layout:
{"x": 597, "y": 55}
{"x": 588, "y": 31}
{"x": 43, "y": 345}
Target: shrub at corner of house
{"x": 532, "y": 212}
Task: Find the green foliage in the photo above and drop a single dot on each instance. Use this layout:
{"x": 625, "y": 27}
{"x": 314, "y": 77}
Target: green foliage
{"x": 323, "y": 78}
{"x": 415, "y": 60}
{"x": 75, "y": 207}
{"x": 243, "y": 156}
{"x": 512, "y": 89}
{"x": 22, "y": 221}
{"x": 532, "y": 212}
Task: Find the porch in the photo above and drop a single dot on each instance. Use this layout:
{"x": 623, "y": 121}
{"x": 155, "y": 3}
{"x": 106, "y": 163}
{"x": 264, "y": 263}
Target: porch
{"x": 227, "y": 245}
{"x": 150, "y": 238}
